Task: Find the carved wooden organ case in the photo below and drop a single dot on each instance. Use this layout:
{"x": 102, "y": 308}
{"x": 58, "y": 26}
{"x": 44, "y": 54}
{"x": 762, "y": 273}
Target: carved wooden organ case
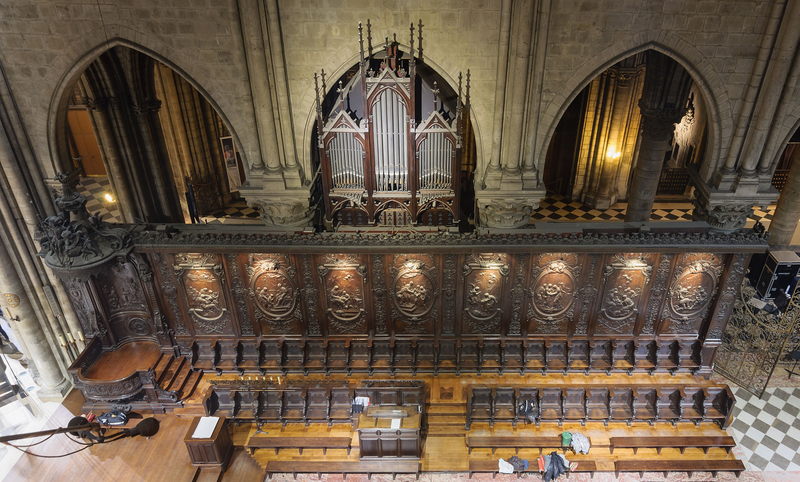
{"x": 390, "y": 166}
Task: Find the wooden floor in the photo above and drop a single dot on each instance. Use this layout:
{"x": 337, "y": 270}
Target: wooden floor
{"x": 164, "y": 456}
{"x": 122, "y": 362}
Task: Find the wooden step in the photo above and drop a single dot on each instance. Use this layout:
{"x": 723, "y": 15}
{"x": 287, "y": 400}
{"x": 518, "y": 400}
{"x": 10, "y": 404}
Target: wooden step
{"x": 190, "y": 384}
{"x": 438, "y": 409}
{"x": 179, "y": 377}
{"x": 207, "y": 474}
{"x": 171, "y": 372}
{"x": 162, "y": 366}
{"x": 190, "y": 411}
{"x": 435, "y": 419}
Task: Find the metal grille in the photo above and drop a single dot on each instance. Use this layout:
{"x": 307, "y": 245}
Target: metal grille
{"x": 673, "y": 181}
{"x": 347, "y": 162}
{"x": 390, "y": 138}
{"x": 754, "y": 341}
{"x": 435, "y": 161}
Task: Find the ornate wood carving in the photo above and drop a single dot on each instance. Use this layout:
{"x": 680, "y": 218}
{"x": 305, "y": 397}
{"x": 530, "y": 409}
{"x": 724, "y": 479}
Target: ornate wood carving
{"x": 484, "y": 276}
{"x": 414, "y": 293}
{"x": 310, "y": 296}
{"x": 84, "y": 310}
{"x": 693, "y": 286}
{"x": 518, "y": 294}
{"x": 275, "y": 295}
{"x": 379, "y": 291}
{"x": 624, "y": 281}
{"x": 170, "y": 292}
{"x": 728, "y": 294}
{"x": 449, "y": 292}
{"x": 343, "y": 279}
{"x": 121, "y": 289}
{"x": 552, "y": 292}
{"x": 203, "y": 279}
{"x": 657, "y": 293}
{"x": 240, "y": 295}
{"x": 587, "y": 295}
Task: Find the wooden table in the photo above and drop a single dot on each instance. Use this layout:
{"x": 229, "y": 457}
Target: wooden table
{"x": 377, "y": 438}
{"x": 214, "y": 451}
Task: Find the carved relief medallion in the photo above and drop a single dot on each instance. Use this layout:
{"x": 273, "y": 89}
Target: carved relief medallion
{"x": 693, "y": 287}
{"x": 624, "y": 280}
{"x": 202, "y": 278}
{"x": 552, "y": 292}
{"x": 413, "y": 292}
{"x": 273, "y": 289}
{"x": 485, "y": 278}
{"x": 343, "y": 278}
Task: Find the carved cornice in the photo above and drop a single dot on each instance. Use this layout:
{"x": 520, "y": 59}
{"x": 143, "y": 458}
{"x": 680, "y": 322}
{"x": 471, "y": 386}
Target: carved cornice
{"x": 208, "y": 239}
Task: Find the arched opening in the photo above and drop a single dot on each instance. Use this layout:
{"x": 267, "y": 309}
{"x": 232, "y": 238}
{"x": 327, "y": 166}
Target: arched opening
{"x": 148, "y": 145}
{"x": 595, "y": 147}
{"x": 441, "y": 130}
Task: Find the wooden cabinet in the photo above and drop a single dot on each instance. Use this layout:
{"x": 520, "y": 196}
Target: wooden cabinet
{"x": 214, "y": 451}
{"x": 378, "y": 439}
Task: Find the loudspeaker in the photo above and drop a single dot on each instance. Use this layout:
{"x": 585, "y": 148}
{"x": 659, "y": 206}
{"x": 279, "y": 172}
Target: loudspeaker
{"x": 779, "y": 271}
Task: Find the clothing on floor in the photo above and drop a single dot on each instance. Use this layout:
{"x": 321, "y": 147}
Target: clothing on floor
{"x": 518, "y": 464}
{"x": 566, "y": 439}
{"x": 555, "y": 469}
{"x": 580, "y": 444}
{"x": 505, "y": 467}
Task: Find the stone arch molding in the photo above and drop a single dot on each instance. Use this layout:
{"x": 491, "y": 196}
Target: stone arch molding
{"x": 703, "y": 73}
{"x": 345, "y": 62}
{"x": 67, "y": 68}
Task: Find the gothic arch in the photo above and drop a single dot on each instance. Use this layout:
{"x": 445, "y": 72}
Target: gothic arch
{"x": 68, "y": 74}
{"x": 344, "y": 63}
{"x": 790, "y": 124}
{"x": 715, "y": 95}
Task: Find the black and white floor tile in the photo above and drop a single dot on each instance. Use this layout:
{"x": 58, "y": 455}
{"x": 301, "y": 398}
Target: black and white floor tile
{"x": 95, "y": 189}
{"x": 767, "y": 429}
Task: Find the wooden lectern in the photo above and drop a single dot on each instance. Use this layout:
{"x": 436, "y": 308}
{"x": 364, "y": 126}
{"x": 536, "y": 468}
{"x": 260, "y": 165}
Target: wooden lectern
{"x": 214, "y": 451}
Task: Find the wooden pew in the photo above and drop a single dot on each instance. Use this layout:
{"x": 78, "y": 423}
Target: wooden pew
{"x": 515, "y": 443}
{"x": 490, "y": 466}
{"x": 658, "y": 443}
{"x": 689, "y": 466}
{"x": 277, "y": 443}
{"x": 393, "y": 467}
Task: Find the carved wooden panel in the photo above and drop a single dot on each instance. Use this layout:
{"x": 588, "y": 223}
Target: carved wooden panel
{"x": 694, "y": 284}
{"x": 625, "y": 279}
{"x": 485, "y": 276}
{"x": 414, "y": 293}
{"x": 553, "y": 292}
{"x": 274, "y": 292}
{"x": 127, "y": 308}
{"x": 343, "y": 280}
{"x": 203, "y": 281}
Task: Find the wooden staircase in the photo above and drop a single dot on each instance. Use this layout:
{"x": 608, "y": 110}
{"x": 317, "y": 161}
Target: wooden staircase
{"x": 446, "y": 419}
{"x": 175, "y": 374}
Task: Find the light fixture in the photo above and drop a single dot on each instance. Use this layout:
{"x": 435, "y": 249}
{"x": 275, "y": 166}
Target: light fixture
{"x": 109, "y": 198}
{"x": 613, "y": 153}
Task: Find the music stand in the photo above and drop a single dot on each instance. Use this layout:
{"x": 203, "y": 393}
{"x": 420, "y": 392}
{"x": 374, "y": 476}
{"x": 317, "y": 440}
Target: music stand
{"x": 794, "y": 355}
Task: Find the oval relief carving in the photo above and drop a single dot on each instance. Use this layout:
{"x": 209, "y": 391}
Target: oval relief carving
{"x": 552, "y": 292}
{"x": 692, "y": 293}
{"x": 413, "y": 293}
{"x": 274, "y": 294}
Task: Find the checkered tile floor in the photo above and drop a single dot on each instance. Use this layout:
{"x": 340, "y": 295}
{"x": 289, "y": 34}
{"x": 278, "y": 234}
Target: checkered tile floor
{"x": 767, "y": 430}
{"x": 95, "y": 189}
{"x": 558, "y": 209}
{"x": 236, "y": 210}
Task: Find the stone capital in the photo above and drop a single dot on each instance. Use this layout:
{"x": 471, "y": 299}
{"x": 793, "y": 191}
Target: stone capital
{"x": 659, "y": 123}
{"x": 507, "y": 209}
{"x": 279, "y": 207}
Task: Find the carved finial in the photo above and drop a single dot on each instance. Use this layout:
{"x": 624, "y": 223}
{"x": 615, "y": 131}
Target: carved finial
{"x": 316, "y": 91}
{"x": 324, "y": 87}
{"x": 458, "y": 104}
{"x": 435, "y": 95}
{"x": 419, "y": 33}
{"x": 369, "y": 38}
{"x": 361, "y": 42}
{"x": 340, "y": 91}
{"x": 467, "y": 95}
{"x": 412, "y": 41}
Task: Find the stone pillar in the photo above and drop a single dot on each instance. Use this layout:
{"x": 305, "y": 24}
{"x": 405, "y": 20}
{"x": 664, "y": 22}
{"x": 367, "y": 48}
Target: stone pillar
{"x": 20, "y": 312}
{"x": 611, "y": 128}
{"x": 787, "y": 213}
{"x": 663, "y": 104}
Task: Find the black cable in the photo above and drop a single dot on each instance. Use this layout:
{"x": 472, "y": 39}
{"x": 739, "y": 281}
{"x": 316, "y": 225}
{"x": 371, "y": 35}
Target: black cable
{"x": 49, "y": 456}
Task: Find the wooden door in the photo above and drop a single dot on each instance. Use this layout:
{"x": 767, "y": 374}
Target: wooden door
{"x": 86, "y": 142}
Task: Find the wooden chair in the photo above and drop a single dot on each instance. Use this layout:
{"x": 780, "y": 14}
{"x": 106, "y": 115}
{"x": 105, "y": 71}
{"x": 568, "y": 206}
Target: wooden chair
{"x": 294, "y": 406}
{"x": 360, "y": 351}
{"x": 479, "y": 406}
{"x": 621, "y": 405}
{"x": 622, "y": 355}
{"x": 644, "y": 404}
{"x": 668, "y": 405}
{"x": 550, "y": 405}
{"x": 575, "y": 404}
{"x": 341, "y": 405}
{"x": 601, "y": 355}
{"x": 579, "y": 356}
{"x": 382, "y": 354}
{"x": 505, "y": 408}
{"x": 597, "y": 402}
{"x": 512, "y": 357}
{"x": 404, "y": 351}
{"x": 534, "y": 358}
{"x": 319, "y": 405}
{"x": 692, "y": 401}
{"x": 316, "y": 356}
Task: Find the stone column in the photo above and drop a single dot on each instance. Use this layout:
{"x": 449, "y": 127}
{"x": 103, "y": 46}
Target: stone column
{"x": 663, "y": 104}
{"x": 20, "y": 312}
{"x": 787, "y": 213}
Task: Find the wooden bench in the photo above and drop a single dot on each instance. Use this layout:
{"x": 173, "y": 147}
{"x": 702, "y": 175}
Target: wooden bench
{"x": 490, "y": 466}
{"x": 301, "y": 443}
{"x": 689, "y": 466}
{"x": 515, "y": 443}
{"x": 658, "y": 443}
{"x": 295, "y": 467}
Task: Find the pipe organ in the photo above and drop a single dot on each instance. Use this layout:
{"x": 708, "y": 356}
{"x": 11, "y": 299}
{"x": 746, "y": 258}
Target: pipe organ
{"x": 393, "y": 163}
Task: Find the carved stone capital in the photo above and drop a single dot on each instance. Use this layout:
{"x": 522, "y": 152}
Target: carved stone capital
{"x": 297, "y": 214}
{"x": 505, "y": 214}
{"x": 722, "y": 216}
{"x": 658, "y": 124}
